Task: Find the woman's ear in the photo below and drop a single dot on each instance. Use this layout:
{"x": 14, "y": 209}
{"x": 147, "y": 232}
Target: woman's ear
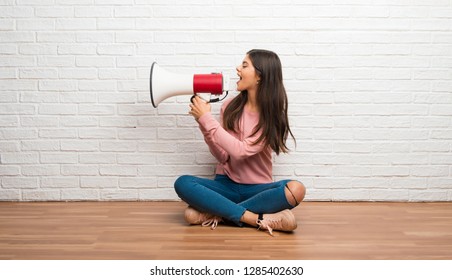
{"x": 258, "y": 78}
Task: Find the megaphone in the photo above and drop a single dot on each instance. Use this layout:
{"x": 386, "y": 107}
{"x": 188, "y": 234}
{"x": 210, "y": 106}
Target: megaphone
{"x": 164, "y": 84}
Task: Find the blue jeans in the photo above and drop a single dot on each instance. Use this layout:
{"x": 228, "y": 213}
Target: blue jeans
{"x": 228, "y": 199}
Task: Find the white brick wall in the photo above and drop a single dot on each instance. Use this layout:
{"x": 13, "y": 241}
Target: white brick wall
{"x": 369, "y": 83}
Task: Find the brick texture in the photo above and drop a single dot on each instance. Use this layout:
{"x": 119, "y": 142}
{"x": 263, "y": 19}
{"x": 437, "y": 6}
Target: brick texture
{"x": 369, "y": 86}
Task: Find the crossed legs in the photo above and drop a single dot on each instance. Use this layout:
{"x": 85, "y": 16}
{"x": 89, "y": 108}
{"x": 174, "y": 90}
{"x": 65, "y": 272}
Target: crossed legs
{"x": 236, "y": 202}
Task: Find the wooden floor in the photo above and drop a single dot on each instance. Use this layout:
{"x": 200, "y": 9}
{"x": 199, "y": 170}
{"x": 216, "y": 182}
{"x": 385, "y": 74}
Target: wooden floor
{"x": 156, "y": 230}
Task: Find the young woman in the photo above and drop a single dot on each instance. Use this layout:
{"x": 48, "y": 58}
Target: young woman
{"x": 252, "y": 126}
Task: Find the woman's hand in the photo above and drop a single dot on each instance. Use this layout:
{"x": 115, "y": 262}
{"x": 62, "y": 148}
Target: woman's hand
{"x": 199, "y": 107}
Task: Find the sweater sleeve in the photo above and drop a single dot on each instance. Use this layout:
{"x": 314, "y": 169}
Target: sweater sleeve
{"x": 219, "y": 153}
{"x": 227, "y": 143}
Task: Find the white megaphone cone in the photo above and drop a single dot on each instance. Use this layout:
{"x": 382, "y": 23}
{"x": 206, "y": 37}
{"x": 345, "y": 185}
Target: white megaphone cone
{"x": 164, "y": 84}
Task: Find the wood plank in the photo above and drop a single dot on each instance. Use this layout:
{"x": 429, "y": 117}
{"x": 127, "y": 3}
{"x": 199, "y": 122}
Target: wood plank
{"x": 156, "y": 230}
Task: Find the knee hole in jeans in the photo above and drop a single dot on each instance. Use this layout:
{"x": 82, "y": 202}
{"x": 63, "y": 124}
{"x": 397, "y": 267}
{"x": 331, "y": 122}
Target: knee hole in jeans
{"x": 295, "y": 192}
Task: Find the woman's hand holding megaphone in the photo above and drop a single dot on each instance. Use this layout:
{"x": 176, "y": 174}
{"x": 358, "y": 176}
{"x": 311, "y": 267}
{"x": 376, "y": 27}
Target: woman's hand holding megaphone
{"x": 199, "y": 107}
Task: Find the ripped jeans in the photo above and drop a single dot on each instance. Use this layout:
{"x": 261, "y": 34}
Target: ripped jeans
{"x": 228, "y": 199}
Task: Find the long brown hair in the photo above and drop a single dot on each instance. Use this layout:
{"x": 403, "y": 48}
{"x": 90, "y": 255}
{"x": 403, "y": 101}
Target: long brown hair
{"x": 271, "y": 100}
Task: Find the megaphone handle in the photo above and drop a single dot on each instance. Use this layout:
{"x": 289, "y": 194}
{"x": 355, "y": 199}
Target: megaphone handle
{"x": 203, "y": 98}
{"x": 212, "y": 100}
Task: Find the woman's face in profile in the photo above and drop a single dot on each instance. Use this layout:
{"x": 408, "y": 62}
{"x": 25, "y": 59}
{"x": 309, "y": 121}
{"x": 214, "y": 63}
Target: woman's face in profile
{"x": 248, "y": 79}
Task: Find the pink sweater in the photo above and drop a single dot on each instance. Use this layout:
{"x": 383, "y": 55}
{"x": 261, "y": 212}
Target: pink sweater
{"x": 237, "y": 157}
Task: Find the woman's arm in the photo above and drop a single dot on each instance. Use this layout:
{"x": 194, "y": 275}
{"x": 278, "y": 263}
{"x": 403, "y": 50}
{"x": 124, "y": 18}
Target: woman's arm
{"x": 199, "y": 108}
{"x": 222, "y": 144}
{"x": 235, "y": 148}
{"x": 219, "y": 153}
